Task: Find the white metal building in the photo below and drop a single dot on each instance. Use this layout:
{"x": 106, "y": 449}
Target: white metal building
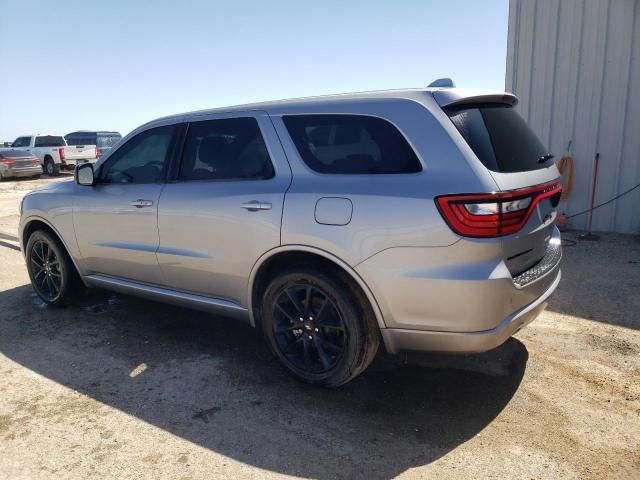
{"x": 575, "y": 66}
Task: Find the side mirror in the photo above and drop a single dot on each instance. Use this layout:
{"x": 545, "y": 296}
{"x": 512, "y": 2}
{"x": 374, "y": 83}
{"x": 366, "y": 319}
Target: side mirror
{"x": 84, "y": 174}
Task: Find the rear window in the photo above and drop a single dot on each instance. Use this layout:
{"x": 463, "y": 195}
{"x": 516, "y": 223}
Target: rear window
{"x": 108, "y": 141}
{"x": 351, "y": 144}
{"x": 500, "y": 138}
{"x": 79, "y": 140}
{"x": 49, "y": 141}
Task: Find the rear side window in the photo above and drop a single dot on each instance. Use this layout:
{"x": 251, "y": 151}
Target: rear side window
{"x": 230, "y": 148}
{"x": 351, "y": 144}
{"x": 500, "y": 138}
{"x": 49, "y": 141}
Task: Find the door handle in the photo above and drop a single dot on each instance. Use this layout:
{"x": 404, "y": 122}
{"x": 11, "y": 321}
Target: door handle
{"x": 140, "y": 203}
{"x": 254, "y": 206}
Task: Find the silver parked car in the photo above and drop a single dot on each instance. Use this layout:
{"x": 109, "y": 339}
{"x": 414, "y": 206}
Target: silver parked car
{"x": 420, "y": 218}
{"x": 19, "y": 163}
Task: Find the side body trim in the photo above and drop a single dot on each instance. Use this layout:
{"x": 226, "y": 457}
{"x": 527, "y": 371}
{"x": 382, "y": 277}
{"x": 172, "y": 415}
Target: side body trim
{"x": 199, "y": 302}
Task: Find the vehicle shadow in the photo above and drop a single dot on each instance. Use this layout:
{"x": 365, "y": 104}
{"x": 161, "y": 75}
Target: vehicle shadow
{"x": 214, "y": 383}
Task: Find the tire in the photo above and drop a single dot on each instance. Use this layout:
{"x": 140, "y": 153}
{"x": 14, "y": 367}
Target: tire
{"x": 52, "y": 168}
{"x": 327, "y": 340}
{"x": 53, "y": 275}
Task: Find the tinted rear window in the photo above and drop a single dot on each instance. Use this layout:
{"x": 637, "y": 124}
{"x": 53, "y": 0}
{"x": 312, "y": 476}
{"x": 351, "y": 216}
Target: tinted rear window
{"x": 351, "y": 144}
{"x": 80, "y": 140}
{"x": 49, "y": 141}
{"x": 500, "y": 138}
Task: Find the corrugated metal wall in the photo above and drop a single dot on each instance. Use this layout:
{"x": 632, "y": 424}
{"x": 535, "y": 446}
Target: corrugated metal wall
{"x": 575, "y": 66}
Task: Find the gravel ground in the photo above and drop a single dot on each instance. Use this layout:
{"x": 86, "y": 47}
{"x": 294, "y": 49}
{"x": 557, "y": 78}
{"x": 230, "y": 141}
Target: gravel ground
{"x": 119, "y": 387}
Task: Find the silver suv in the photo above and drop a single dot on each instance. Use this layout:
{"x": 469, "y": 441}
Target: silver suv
{"x": 420, "y": 218}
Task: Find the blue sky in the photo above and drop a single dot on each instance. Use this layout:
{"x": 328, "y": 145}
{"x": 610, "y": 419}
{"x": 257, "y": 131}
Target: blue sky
{"x": 114, "y": 65}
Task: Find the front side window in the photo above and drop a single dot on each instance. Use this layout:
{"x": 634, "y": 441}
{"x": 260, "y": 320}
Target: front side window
{"x": 351, "y": 144}
{"x": 230, "y": 148}
{"x": 143, "y": 159}
{"x": 21, "y": 142}
{"x": 50, "y": 141}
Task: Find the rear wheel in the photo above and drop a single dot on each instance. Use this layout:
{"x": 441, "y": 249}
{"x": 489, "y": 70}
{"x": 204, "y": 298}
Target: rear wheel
{"x": 50, "y": 269}
{"x": 318, "y": 327}
{"x": 51, "y": 167}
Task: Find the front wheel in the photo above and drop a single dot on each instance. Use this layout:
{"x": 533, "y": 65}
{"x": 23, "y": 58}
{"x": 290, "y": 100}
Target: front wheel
{"x": 50, "y": 269}
{"x": 318, "y": 328}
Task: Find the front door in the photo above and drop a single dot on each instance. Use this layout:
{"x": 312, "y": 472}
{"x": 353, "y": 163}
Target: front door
{"x": 224, "y": 209}
{"x": 116, "y": 220}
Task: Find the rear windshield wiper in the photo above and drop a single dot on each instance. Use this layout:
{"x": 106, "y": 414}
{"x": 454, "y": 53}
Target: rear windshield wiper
{"x": 545, "y": 158}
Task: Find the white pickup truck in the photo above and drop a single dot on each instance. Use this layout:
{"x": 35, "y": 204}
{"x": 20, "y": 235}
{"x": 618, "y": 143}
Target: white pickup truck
{"x": 53, "y": 152}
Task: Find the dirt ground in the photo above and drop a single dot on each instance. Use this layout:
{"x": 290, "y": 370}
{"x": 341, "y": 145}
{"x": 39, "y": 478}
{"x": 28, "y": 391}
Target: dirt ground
{"x": 123, "y": 388}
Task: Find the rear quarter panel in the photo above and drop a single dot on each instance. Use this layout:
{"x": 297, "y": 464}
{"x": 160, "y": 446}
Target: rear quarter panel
{"x": 388, "y": 210}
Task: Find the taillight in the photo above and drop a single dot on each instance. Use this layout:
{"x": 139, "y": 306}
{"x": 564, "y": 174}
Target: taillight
{"x": 61, "y": 152}
{"x": 35, "y": 160}
{"x": 7, "y": 161}
{"x": 98, "y": 152}
{"x": 494, "y": 214}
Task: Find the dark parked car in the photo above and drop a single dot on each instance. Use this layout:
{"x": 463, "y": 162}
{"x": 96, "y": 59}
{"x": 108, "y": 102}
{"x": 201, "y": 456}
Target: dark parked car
{"x": 102, "y": 140}
{"x": 19, "y": 163}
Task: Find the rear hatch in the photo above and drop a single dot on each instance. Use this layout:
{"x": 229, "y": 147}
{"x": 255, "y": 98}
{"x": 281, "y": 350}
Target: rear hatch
{"x": 521, "y": 167}
{"x": 80, "y": 152}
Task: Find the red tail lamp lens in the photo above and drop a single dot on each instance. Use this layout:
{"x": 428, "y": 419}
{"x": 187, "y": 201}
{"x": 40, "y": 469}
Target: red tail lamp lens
{"x": 496, "y": 214}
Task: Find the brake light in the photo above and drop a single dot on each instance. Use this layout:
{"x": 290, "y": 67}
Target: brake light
{"x": 35, "y": 160}
{"x": 98, "y": 151}
{"x": 495, "y": 214}
{"x": 61, "y": 152}
{"x": 7, "y": 161}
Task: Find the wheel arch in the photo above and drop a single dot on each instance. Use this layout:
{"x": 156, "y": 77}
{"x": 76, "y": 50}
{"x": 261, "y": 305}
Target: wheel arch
{"x": 296, "y": 254}
{"x": 38, "y": 223}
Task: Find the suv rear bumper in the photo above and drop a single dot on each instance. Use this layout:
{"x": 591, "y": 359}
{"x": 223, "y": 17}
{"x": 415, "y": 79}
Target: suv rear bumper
{"x": 461, "y": 298}
{"x": 398, "y": 340}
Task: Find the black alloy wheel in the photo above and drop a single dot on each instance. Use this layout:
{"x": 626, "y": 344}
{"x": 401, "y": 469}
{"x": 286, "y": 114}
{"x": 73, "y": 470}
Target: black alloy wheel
{"x": 309, "y": 329}
{"x": 52, "y": 273}
{"x": 318, "y": 325}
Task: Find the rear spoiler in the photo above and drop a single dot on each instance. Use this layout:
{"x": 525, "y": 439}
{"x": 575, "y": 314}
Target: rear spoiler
{"x": 449, "y": 97}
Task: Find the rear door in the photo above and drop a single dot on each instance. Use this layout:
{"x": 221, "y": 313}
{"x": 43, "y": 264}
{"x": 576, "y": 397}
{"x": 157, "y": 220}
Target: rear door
{"x": 224, "y": 208}
{"x": 116, "y": 221}
{"x": 517, "y": 160}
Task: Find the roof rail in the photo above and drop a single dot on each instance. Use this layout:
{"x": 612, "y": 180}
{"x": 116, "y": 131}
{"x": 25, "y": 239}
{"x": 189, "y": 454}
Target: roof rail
{"x": 442, "y": 82}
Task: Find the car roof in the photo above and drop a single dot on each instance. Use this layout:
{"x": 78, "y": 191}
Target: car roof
{"x": 39, "y": 135}
{"x": 111, "y": 132}
{"x": 275, "y": 107}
